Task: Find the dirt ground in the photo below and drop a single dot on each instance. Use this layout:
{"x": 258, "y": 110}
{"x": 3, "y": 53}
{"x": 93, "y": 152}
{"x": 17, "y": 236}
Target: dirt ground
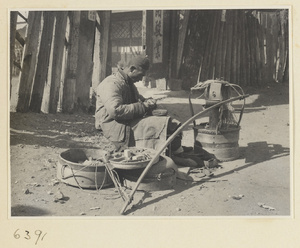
{"x": 257, "y": 184}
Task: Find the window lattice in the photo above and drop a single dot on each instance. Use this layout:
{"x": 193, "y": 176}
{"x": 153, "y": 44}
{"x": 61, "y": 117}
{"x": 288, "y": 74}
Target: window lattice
{"x": 136, "y": 28}
{"x": 120, "y": 30}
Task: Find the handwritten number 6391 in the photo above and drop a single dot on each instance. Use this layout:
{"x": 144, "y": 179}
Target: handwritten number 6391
{"x": 39, "y": 235}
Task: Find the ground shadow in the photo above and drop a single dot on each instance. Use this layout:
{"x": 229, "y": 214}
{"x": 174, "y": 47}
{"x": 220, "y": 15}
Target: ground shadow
{"x": 60, "y": 130}
{"x": 257, "y": 152}
{"x": 262, "y": 151}
{"x": 22, "y": 210}
{"x": 49, "y": 140}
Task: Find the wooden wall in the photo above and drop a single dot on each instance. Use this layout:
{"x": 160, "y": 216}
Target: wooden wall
{"x": 58, "y": 60}
{"x": 244, "y": 47}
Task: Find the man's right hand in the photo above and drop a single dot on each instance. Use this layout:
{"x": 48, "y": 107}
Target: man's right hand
{"x": 150, "y": 104}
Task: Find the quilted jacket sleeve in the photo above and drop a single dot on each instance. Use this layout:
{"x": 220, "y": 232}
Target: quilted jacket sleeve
{"x": 112, "y": 96}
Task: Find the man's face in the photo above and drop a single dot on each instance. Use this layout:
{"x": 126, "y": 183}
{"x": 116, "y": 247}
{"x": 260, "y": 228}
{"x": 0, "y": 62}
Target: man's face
{"x": 136, "y": 73}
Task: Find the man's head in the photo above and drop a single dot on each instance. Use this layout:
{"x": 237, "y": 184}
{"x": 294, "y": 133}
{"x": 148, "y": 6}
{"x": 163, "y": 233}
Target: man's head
{"x": 137, "y": 67}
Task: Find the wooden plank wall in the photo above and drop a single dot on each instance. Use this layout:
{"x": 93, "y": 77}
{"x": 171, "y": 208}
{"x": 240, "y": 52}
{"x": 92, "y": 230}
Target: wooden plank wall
{"x": 57, "y": 62}
{"x": 240, "y": 46}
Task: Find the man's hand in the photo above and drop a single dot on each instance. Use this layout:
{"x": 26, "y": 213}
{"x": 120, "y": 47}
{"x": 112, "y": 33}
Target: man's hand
{"x": 150, "y": 103}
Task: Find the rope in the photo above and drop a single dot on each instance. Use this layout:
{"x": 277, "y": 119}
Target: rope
{"x": 75, "y": 173}
{"x": 236, "y": 88}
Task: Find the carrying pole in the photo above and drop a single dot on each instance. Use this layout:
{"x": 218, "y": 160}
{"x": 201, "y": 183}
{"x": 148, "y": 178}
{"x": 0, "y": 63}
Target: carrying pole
{"x": 169, "y": 140}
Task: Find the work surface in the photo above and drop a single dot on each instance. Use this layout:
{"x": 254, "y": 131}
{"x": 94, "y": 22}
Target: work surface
{"x": 256, "y": 184}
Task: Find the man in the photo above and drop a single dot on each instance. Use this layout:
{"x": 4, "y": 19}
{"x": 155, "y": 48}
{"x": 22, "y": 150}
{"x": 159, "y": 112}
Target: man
{"x": 125, "y": 116}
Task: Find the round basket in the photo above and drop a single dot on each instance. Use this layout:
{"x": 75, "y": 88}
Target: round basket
{"x": 75, "y": 169}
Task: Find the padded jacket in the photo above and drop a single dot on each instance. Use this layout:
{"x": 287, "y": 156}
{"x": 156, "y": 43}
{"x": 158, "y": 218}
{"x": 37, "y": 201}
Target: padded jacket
{"x": 118, "y": 103}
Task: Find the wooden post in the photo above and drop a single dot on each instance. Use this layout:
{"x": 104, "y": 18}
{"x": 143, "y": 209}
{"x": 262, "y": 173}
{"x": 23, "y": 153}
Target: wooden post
{"x": 43, "y": 62}
{"x": 282, "y": 45}
{"x": 168, "y": 50}
{"x": 270, "y": 50}
{"x": 97, "y": 57}
{"x": 229, "y": 45}
{"x": 257, "y": 51}
{"x": 247, "y": 53}
{"x": 47, "y": 87}
{"x": 219, "y": 55}
{"x": 144, "y": 31}
{"x": 252, "y": 51}
{"x": 181, "y": 40}
{"x": 211, "y": 46}
{"x": 239, "y": 37}
{"x": 260, "y": 40}
{"x": 13, "y": 24}
{"x": 105, "y": 17}
{"x": 199, "y": 16}
{"x": 64, "y": 65}
{"x": 285, "y": 44}
{"x": 173, "y": 43}
{"x": 71, "y": 74}
{"x": 274, "y": 42}
{"x": 234, "y": 49}
{"x": 243, "y": 70}
{"x": 224, "y": 46}
{"x": 206, "y": 59}
{"x": 84, "y": 62}
{"x": 214, "y": 48}
{"x": 100, "y": 50}
{"x": 264, "y": 33}
{"x": 29, "y": 60}
{"x": 149, "y": 33}
{"x": 58, "y": 47}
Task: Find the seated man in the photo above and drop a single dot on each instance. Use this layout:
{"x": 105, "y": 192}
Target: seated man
{"x": 125, "y": 116}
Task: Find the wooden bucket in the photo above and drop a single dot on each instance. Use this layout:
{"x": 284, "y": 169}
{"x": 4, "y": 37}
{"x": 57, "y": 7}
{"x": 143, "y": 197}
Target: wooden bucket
{"x": 223, "y": 145}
